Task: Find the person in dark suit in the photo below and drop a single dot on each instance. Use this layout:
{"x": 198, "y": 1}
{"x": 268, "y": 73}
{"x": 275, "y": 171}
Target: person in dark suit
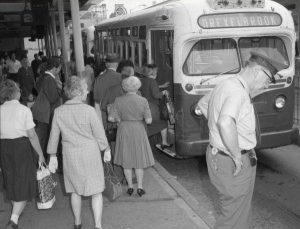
{"x": 26, "y": 80}
{"x": 151, "y": 91}
{"x": 108, "y": 79}
{"x": 48, "y": 99}
{"x": 126, "y": 69}
{"x": 35, "y": 64}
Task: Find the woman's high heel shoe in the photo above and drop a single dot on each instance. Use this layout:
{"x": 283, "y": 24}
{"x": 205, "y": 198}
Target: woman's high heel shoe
{"x": 140, "y": 192}
{"x": 130, "y": 191}
{"x": 165, "y": 146}
{"x": 77, "y": 226}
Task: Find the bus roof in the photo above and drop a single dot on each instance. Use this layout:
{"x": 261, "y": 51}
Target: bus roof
{"x": 185, "y": 14}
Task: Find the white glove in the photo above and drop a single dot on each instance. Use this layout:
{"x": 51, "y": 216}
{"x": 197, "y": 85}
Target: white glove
{"x": 107, "y": 155}
{"x": 53, "y": 164}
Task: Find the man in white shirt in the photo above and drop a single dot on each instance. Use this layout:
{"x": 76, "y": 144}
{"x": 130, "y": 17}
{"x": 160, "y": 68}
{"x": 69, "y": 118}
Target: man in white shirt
{"x": 13, "y": 66}
{"x": 233, "y": 135}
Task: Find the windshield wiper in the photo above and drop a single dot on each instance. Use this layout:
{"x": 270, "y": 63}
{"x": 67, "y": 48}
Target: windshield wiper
{"x": 228, "y": 71}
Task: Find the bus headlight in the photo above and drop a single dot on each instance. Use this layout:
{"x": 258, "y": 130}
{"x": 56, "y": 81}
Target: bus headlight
{"x": 280, "y": 102}
{"x": 197, "y": 110}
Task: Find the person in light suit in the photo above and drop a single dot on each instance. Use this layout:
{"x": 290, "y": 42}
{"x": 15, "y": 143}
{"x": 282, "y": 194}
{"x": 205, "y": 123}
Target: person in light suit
{"x": 83, "y": 139}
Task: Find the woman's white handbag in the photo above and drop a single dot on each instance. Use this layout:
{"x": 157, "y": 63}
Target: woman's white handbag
{"x": 46, "y": 185}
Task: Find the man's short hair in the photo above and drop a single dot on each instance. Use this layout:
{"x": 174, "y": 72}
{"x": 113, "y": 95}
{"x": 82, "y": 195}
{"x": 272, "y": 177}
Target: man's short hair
{"x": 53, "y": 62}
{"x": 90, "y": 60}
{"x": 124, "y": 63}
{"x": 23, "y": 56}
{"x": 112, "y": 58}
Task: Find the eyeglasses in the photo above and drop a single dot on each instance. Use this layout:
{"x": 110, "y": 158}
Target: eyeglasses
{"x": 271, "y": 78}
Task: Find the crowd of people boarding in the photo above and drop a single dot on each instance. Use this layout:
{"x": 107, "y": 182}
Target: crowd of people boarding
{"x": 67, "y": 122}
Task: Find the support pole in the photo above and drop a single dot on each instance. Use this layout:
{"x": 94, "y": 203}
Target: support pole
{"x": 64, "y": 50}
{"x": 48, "y": 43}
{"x": 38, "y": 41}
{"x": 54, "y": 33}
{"x": 77, "y": 37}
{"x": 51, "y": 45}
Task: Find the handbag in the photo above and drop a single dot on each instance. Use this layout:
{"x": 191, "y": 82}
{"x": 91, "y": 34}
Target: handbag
{"x": 164, "y": 114}
{"x": 45, "y": 187}
{"x": 111, "y": 132}
{"x": 167, "y": 109}
{"x": 112, "y": 127}
{"x": 113, "y": 187}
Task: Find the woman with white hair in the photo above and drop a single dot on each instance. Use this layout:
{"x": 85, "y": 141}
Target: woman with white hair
{"x": 83, "y": 138}
{"x": 133, "y": 150}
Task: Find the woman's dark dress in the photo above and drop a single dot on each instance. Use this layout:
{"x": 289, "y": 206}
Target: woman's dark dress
{"x": 151, "y": 92}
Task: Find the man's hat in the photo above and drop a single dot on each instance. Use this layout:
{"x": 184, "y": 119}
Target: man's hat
{"x": 265, "y": 61}
{"x": 112, "y": 58}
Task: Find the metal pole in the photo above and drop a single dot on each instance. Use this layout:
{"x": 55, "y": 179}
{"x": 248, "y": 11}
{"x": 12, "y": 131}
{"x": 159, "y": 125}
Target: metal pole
{"x": 63, "y": 37}
{"x": 54, "y": 34}
{"x": 77, "y": 37}
{"x": 38, "y": 40}
{"x": 42, "y": 42}
{"x": 51, "y": 39}
{"x": 48, "y": 43}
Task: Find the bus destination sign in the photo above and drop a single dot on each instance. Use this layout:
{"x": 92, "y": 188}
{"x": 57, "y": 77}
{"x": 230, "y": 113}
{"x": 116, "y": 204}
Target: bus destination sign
{"x": 245, "y": 19}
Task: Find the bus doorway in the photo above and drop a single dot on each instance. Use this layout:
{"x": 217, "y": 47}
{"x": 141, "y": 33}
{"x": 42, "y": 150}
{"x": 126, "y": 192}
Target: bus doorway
{"x": 162, "y": 56}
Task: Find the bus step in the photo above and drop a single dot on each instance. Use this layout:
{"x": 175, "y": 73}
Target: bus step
{"x": 169, "y": 151}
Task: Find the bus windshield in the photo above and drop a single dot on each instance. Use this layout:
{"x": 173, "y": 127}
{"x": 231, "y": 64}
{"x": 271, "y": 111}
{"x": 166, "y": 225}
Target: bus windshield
{"x": 272, "y": 46}
{"x": 216, "y": 56}
{"x": 211, "y": 57}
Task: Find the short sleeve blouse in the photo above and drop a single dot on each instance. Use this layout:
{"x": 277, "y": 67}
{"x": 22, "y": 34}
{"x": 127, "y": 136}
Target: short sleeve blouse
{"x": 15, "y": 120}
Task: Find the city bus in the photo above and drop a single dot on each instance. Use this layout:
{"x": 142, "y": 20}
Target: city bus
{"x": 197, "y": 44}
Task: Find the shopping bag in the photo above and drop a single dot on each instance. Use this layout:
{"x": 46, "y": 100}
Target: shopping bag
{"x": 113, "y": 187}
{"x": 45, "y": 188}
{"x": 164, "y": 114}
{"x": 111, "y": 132}
{"x": 167, "y": 109}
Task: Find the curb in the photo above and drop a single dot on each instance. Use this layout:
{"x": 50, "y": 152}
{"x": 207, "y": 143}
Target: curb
{"x": 297, "y": 140}
{"x": 188, "y": 198}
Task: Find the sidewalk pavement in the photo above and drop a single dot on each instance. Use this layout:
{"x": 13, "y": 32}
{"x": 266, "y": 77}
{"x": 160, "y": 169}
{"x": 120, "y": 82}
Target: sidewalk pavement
{"x": 285, "y": 159}
{"x": 160, "y": 208}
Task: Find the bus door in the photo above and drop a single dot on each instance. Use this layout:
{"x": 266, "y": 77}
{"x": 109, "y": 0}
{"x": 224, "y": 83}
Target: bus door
{"x": 162, "y": 56}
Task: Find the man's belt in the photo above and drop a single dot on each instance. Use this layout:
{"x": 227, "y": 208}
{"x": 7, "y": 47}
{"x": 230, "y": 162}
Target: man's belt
{"x": 218, "y": 151}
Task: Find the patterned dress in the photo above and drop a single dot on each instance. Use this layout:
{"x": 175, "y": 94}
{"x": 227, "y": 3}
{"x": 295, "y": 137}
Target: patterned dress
{"x": 132, "y": 145}
{"x": 83, "y": 137}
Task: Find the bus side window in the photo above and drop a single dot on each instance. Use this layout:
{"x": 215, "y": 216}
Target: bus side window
{"x": 168, "y": 47}
{"x": 119, "y": 49}
{"x": 144, "y": 54}
{"x": 129, "y": 50}
{"x": 115, "y": 49}
{"x": 136, "y": 53}
{"x": 132, "y": 52}
{"x": 124, "y": 50}
{"x": 105, "y": 45}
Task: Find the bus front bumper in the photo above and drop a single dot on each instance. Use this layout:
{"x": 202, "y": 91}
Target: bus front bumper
{"x": 268, "y": 140}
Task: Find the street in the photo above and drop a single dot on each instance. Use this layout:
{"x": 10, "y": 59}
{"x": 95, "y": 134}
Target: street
{"x": 276, "y": 202}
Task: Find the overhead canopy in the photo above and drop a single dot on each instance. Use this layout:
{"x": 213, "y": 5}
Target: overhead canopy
{"x": 22, "y": 18}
